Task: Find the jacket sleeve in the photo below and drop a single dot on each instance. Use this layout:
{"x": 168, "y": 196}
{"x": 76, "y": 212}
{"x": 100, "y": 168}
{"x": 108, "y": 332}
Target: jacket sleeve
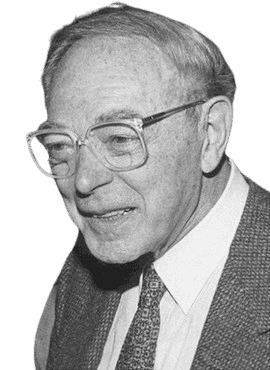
{"x": 44, "y": 330}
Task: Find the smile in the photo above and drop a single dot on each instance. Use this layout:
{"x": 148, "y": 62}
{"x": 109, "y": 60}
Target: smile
{"x": 112, "y": 215}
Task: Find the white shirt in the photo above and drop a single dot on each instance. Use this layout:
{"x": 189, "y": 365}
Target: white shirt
{"x": 190, "y": 270}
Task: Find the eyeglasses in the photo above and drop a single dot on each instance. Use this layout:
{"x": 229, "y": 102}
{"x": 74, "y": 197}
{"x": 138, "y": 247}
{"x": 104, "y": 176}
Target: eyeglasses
{"x": 120, "y": 146}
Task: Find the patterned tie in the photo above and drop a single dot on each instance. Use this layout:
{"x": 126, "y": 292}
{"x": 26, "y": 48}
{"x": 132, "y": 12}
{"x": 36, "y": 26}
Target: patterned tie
{"x": 139, "y": 348}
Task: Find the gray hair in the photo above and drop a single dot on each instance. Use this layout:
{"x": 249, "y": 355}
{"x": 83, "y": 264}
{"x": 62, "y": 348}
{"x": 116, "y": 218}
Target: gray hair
{"x": 198, "y": 60}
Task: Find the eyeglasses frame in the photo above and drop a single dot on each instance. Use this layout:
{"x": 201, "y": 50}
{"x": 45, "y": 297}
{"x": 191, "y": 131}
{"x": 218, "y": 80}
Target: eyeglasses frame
{"x": 138, "y": 124}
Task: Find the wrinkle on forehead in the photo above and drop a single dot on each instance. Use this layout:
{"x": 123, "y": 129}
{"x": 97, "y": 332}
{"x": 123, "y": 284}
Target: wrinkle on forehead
{"x": 132, "y": 54}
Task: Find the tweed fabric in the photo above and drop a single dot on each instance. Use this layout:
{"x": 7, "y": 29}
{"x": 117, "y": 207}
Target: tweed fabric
{"x": 84, "y": 313}
{"x": 236, "y": 334}
{"x": 139, "y": 348}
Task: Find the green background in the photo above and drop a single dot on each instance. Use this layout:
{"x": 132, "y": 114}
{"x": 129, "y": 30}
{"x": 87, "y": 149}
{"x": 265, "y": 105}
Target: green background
{"x": 37, "y": 231}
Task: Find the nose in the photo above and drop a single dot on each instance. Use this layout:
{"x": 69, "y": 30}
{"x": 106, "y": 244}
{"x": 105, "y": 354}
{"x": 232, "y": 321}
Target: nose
{"x": 90, "y": 173}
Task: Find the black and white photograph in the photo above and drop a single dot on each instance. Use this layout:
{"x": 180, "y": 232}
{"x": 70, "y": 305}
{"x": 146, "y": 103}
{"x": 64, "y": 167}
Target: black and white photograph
{"x": 136, "y": 185}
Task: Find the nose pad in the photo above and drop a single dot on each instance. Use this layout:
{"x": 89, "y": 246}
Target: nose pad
{"x": 90, "y": 172}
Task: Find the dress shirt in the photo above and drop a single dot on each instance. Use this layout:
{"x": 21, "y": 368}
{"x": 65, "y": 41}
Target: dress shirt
{"x": 190, "y": 270}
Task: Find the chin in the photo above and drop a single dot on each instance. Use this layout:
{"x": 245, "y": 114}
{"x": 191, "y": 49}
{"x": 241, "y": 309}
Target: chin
{"x": 111, "y": 258}
{"x": 113, "y": 252}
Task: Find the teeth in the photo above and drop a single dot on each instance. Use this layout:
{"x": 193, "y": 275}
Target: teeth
{"x": 113, "y": 215}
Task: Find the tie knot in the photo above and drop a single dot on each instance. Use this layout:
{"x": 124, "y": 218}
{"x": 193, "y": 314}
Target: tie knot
{"x": 152, "y": 288}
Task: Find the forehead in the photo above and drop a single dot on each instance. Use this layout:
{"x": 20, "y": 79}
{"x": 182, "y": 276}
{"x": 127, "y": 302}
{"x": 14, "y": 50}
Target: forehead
{"x": 107, "y": 73}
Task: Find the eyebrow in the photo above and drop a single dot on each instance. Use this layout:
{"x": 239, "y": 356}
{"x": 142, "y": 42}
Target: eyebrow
{"x": 51, "y": 125}
{"x": 115, "y": 115}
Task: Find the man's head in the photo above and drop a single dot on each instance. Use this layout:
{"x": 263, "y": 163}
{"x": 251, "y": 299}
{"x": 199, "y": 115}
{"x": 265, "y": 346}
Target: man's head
{"x": 122, "y": 62}
{"x": 197, "y": 59}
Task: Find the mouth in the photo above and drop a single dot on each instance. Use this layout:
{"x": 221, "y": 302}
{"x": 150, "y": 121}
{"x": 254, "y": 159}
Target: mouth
{"x": 112, "y": 215}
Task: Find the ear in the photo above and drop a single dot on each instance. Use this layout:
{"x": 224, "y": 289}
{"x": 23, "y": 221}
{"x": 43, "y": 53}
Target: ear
{"x": 217, "y": 127}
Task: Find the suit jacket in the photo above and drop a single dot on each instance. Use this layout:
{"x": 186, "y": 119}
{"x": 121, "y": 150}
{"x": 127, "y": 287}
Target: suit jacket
{"x": 236, "y": 333}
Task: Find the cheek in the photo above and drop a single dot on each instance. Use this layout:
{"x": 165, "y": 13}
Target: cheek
{"x": 166, "y": 184}
{"x": 171, "y": 181}
{"x": 67, "y": 191}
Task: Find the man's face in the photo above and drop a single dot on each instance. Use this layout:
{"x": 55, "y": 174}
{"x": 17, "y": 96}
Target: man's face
{"x": 124, "y": 215}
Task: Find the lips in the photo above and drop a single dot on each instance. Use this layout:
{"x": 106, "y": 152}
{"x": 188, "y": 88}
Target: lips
{"x": 112, "y": 215}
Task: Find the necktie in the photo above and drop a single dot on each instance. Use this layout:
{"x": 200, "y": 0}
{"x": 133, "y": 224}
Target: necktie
{"x": 139, "y": 348}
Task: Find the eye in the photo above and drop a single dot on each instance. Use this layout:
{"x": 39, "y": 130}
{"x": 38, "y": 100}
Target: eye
{"x": 59, "y": 150}
{"x": 57, "y": 147}
{"x": 120, "y": 139}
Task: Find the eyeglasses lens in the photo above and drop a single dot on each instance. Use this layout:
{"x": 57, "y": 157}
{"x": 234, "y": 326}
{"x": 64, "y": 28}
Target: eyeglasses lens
{"x": 55, "y": 153}
{"x": 117, "y": 145}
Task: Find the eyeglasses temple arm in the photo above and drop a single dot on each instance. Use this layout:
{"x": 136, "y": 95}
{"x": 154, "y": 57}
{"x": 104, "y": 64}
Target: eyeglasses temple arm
{"x": 159, "y": 116}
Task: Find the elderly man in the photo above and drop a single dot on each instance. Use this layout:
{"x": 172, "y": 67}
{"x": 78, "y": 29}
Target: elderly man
{"x": 171, "y": 266}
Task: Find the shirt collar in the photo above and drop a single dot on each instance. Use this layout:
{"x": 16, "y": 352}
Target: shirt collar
{"x": 187, "y": 266}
